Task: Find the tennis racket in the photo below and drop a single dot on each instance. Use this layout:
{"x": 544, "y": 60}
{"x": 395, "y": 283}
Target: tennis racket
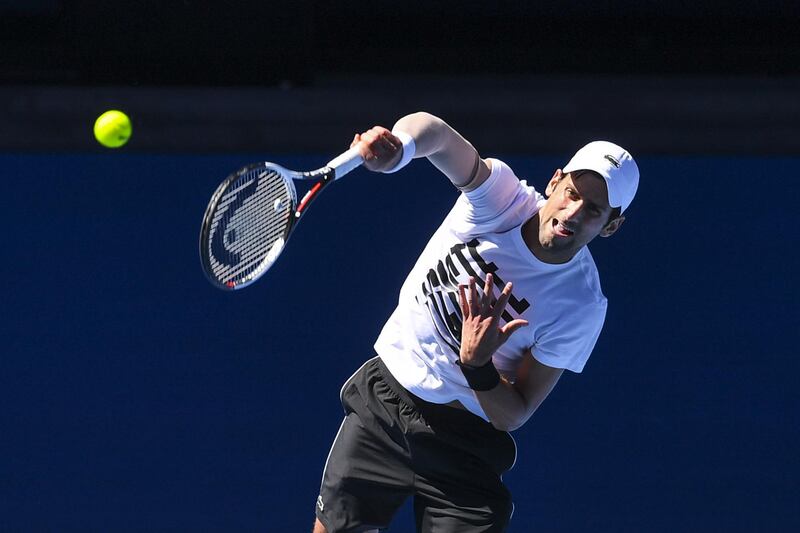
{"x": 252, "y": 214}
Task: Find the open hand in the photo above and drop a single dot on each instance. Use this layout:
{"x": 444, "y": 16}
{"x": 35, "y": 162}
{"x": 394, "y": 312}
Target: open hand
{"x": 379, "y": 147}
{"x": 481, "y": 334}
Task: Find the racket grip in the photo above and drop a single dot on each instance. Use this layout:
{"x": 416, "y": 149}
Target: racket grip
{"x": 344, "y": 163}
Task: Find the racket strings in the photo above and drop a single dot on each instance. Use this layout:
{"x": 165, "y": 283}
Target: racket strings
{"x": 248, "y": 222}
{"x": 249, "y": 227}
{"x": 256, "y": 217}
{"x": 254, "y": 232}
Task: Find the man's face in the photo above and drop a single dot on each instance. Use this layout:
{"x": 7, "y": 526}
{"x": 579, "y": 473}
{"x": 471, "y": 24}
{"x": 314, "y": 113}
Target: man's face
{"x": 576, "y": 212}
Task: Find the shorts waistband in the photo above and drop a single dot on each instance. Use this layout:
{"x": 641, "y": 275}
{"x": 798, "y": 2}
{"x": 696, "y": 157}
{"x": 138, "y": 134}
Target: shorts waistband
{"x": 433, "y": 411}
{"x": 396, "y": 387}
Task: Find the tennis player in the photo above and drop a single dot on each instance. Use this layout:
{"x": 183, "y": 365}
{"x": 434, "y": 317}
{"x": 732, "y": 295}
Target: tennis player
{"x": 503, "y": 298}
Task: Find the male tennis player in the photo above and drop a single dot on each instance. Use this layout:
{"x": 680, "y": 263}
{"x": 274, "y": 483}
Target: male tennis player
{"x": 467, "y": 357}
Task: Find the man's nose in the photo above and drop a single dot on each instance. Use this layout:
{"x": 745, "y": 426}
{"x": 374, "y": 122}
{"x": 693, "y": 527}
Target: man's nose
{"x": 573, "y": 211}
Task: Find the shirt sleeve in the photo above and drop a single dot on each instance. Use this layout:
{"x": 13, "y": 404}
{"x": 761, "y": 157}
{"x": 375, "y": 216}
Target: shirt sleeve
{"x": 498, "y": 204}
{"x": 568, "y": 344}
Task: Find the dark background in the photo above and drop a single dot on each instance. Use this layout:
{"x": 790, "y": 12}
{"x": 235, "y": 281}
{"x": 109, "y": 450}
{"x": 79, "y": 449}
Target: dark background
{"x": 259, "y": 42}
{"x": 136, "y": 397}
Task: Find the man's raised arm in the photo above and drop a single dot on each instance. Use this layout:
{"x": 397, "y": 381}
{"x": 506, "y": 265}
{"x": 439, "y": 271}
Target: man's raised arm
{"x": 433, "y": 138}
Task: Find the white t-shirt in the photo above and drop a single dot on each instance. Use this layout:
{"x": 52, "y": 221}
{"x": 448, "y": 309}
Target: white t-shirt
{"x": 482, "y": 234}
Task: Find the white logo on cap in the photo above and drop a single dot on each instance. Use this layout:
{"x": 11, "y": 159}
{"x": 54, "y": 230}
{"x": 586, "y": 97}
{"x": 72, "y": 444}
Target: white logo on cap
{"x": 612, "y": 161}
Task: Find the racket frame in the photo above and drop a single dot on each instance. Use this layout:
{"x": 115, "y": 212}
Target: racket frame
{"x": 334, "y": 170}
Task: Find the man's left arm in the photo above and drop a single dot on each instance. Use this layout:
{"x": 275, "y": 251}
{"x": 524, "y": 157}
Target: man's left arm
{"x": 508, "y": 405}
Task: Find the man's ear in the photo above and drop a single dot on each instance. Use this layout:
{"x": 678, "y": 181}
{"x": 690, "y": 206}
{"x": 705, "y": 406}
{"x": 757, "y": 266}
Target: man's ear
{"x": 551, "y": 185}
{"x": 612, "y": 227}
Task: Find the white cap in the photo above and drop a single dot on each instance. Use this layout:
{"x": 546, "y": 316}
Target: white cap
{"x": 616, "y": 166}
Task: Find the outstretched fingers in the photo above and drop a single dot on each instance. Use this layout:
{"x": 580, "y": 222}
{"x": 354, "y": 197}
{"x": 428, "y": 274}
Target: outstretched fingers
{"x": 500, "y": 305}
{"x": 488, "y": 290}
{"x": 475, "y": 305}
{"x": 507, "y": 330}
{"x": 474, "y": 309}
{"x": 462, "y": 300}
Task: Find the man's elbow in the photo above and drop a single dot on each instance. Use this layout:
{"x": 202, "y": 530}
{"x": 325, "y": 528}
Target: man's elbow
{"x": 427, "y": 130}
{"x": 501, "y": 426}
{"x": 510, "y": 424}
{"x": 422, "y": 118}
{"x": 514, "y": 421}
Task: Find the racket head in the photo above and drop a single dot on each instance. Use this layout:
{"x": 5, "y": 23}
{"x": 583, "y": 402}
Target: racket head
{"x": 246, "y": 225}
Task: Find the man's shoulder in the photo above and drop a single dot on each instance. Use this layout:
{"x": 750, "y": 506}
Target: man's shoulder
{"x": 586, "y": 287}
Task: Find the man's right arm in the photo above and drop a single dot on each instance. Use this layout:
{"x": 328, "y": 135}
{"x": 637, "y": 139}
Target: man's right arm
{"x": 451, "y": 153}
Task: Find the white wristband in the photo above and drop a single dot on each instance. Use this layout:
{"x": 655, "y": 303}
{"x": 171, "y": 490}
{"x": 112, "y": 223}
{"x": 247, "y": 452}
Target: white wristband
{"x": 409, "y": 148}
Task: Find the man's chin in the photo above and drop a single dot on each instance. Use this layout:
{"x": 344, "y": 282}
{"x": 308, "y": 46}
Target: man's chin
{"x": 554, "y": 242}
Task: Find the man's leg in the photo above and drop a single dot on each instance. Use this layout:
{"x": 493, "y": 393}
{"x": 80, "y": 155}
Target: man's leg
{"x": 365, "y": 479}
{"x": 453, "y": 508}
{"x": 459, "y": 460}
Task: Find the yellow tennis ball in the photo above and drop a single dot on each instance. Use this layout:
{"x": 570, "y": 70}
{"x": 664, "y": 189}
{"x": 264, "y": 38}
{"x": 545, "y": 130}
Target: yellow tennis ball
{"x": 112, "y": 129}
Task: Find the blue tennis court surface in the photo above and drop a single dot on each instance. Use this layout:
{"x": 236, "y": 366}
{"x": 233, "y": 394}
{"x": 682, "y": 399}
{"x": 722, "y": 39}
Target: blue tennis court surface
{"x": 137, "y": 397}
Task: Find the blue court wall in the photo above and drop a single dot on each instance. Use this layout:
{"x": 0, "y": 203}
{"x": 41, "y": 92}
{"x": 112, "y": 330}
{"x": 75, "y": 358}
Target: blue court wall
{"x": 136, "y": 397}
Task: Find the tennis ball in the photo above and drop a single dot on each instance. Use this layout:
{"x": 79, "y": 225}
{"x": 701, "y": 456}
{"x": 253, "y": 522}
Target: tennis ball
{"x": 112, "y": 129}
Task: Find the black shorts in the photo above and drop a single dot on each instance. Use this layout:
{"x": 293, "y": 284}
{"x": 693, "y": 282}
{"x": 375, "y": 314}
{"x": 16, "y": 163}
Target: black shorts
{"x": 392, "y": 445}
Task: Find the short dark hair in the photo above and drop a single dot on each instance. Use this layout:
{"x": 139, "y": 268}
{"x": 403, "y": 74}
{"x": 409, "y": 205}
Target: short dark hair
{"x": 615, "y": 214}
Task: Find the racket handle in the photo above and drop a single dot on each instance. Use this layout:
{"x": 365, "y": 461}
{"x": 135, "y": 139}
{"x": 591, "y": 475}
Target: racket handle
{"x": 342, "y": 164}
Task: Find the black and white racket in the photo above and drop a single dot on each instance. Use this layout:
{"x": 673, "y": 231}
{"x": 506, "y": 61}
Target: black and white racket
{"x": 251, "y": 215}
